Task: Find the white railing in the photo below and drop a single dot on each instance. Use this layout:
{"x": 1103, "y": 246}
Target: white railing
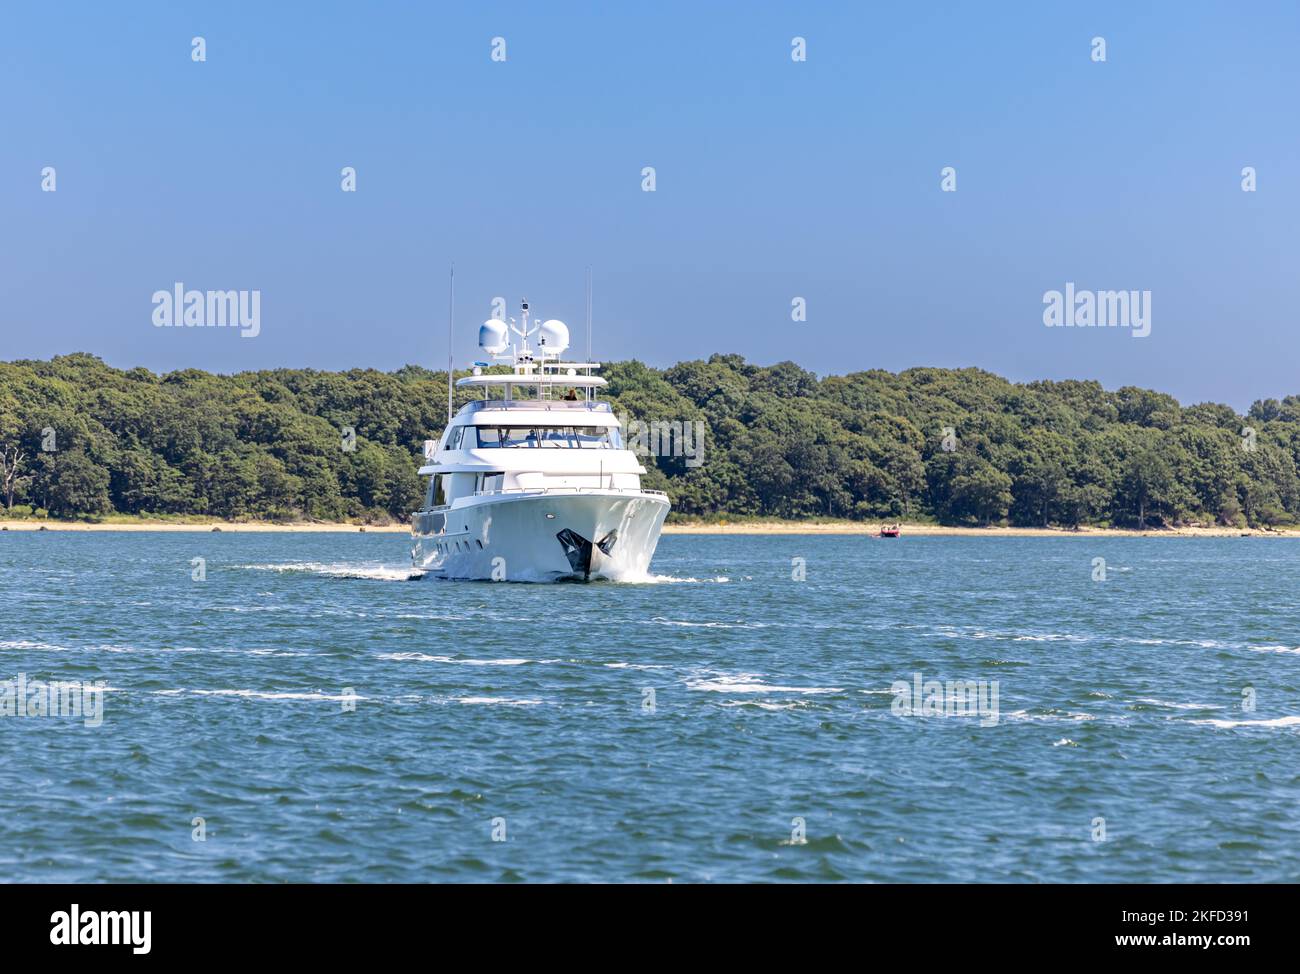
{"x": 537, "y": 405}
{"x": 568, "y": 490}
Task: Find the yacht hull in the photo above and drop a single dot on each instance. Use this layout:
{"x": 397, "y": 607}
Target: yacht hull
{"x": 542, "y": 537}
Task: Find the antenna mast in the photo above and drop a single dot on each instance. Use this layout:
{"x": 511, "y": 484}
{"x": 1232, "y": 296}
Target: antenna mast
{"x": 451, "y": 319}
{"x": 588, "y": 391}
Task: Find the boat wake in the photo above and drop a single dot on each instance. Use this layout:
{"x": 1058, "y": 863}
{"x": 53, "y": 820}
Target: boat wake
{"x": 651, "y": 579}
{"x": 368, "y": 571}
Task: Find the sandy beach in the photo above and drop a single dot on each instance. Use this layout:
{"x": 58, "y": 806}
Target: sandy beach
{"x": 209, "y": 526}
{"x": 721, "y": 527}
{"x": 940, "y": 530}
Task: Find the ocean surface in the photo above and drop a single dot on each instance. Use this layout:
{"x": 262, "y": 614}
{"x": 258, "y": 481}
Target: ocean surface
{"x": 328, "y": 718}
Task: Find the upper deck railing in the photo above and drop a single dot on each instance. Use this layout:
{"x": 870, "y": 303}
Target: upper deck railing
{"x": 568, "y": 490}
{"x": 537, "y": 405}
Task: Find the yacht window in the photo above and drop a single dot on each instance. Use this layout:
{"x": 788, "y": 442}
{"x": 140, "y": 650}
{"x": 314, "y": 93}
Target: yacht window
{"x": 437, "y": 493}
{"x": 557, "y": 436}
{"x": 453, "y": 440}
{"x": 599, "y": 437}
{"x": 503, "y": 437}
{"x": 493, "y": 481}
{"x": 549, "y": 437}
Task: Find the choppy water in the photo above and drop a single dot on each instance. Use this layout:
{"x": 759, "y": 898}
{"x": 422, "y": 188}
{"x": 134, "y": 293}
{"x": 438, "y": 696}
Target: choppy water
{"x": 477, "y": 702}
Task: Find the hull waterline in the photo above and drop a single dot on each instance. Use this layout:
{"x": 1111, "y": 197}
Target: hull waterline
{"x": 538, "y": 537}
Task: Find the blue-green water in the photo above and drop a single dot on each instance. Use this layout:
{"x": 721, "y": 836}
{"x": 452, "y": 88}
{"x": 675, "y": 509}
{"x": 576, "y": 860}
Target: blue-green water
{"x": 1119, "y": 700}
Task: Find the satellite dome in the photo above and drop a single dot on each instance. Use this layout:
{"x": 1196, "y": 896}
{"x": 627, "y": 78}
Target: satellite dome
{"x": 554, "y": 336}
{"x": 493, "y": 336}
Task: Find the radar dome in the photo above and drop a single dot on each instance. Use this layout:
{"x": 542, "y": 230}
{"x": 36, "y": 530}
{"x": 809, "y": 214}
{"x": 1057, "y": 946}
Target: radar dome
{"x": 554, "y": 336}
{"x": 493, "y": 336}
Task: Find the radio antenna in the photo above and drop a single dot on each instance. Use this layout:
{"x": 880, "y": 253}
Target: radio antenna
{"x": 588, "y": 359}
{"x": 451, "y": 319}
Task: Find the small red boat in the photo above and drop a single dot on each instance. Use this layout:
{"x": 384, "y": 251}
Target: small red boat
{"x": 889, "y": 530}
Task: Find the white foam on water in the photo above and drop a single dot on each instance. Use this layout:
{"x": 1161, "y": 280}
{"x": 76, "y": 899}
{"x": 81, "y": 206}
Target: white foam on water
{"x": 763, "y": 704}
{"x": 127, "y": 648}
{"x": 960, "y": 632}
{"x": 637, "y": 666}
{"x": 1198, "y": 643}
{"x": 1046, "y": 718}
{"x": 29, "y": 644}
{"x": 117, "y": 648}
{"x": 750, "y": 683}
{"x": 661, "y": 621}
{"x": 368, "y": 571}
{"x": 1178, "y": 706}
{"x": 268, "y": 695}
{"x": 650, "y": 579}
{"x": 500, "y": 701}
{"x": 426, "y": 658}
{"x": 1219, "y": 644}
{"x": 1292, "y": 721}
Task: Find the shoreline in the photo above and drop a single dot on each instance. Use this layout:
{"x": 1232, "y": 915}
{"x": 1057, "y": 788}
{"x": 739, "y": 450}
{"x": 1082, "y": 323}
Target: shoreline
{"x": 829, "y": 528}
{"x": 957, "y": 531}
{"x": 233, "y": 527}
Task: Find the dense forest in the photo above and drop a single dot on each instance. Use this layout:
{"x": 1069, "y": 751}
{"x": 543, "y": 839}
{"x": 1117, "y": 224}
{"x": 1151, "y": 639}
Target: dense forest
{"x": 78, "y": 438}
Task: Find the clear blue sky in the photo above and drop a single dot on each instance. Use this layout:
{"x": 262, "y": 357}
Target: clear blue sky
{"x": 774, "y": 179}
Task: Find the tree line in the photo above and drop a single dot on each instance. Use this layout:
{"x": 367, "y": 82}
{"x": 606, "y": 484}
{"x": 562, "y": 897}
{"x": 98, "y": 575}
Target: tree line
{"x": 961, "y": 446}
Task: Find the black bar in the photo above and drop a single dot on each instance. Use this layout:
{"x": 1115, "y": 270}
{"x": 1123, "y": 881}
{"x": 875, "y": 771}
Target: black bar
{"x": 330, "y": 924}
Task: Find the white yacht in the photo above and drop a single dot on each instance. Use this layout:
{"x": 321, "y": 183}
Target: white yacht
{"x": 534, "y": 484}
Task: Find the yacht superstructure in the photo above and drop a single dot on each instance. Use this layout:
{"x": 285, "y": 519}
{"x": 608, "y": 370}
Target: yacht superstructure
{"x": 535, "y": 485}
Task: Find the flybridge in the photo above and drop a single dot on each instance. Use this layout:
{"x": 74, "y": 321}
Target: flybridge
{"x": 540, "y": 367}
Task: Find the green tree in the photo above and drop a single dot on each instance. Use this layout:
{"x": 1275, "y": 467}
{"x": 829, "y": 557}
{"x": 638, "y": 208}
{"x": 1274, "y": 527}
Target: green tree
{"x": 78, "y": 485}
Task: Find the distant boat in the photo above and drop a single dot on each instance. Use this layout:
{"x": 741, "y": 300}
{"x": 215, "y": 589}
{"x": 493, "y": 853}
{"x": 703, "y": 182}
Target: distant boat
{"x": 889, "y": 530}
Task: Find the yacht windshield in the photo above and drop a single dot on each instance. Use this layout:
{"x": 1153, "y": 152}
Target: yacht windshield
{"x": 545, "y": 437}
